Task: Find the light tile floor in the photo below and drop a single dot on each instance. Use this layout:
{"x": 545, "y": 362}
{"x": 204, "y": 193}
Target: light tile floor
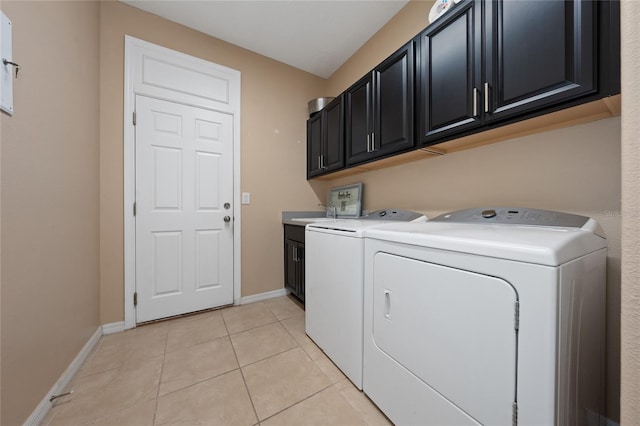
{"x": 243, "y": 365}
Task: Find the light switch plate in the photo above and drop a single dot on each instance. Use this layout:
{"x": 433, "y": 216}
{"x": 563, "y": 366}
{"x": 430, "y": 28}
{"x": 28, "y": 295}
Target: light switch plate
{"x": 6, "y": 71}
{"x": 246, "y": 198}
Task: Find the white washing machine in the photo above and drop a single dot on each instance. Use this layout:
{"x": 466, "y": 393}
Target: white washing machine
{"x": 334, "y": 271}
{"x": 490, "y": 316}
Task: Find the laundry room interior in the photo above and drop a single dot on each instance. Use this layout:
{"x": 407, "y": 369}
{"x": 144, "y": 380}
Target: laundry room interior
{"x": 65, "y": 280}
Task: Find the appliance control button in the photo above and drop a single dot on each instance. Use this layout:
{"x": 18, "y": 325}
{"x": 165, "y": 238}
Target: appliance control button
{"x": 488, "y": 214}
{"x": 382, "y": 213}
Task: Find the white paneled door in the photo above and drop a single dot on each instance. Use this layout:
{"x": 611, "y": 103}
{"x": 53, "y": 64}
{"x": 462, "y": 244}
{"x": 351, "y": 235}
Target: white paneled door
{"x": 184, "y": 211}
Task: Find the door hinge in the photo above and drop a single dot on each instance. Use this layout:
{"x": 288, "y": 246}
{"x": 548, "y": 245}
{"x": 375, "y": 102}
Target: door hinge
{"x": 134, "y": 208}
{"x": 135, "y": 299}
{"x": 517, "y": 316}
{"x": 514, "y": 416}
{"x": 134, "y": 118}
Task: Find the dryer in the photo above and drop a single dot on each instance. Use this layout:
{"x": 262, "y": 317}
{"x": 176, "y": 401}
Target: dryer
{"x": 490, "y": 316}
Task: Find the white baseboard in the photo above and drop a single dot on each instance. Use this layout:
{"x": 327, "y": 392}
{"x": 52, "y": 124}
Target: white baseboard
{"x": 263, "y": 296}
{"x": 45, "y": 405}
{"x": 114, "y": 327}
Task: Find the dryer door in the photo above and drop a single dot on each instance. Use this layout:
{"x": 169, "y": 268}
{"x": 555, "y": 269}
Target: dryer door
{"x": 454, "y": 330}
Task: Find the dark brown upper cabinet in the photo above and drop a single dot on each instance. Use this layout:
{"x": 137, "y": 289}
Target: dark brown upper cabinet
{"x": 482, "y": 65}
{"x": 379, "y": 109}
{"x": 450, "y": 73}
{"x": 325, "y": 139}
{"x": 490, "y": 61}
{"x": 537, "y": 53}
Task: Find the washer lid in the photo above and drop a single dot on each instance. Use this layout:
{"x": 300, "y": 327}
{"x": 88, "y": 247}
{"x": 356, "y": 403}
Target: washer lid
{"x": 372, "y": 220}
{"x": 354, "y": 227}
{"x": 514, "y": 216}
{"x": 545, "y": 245}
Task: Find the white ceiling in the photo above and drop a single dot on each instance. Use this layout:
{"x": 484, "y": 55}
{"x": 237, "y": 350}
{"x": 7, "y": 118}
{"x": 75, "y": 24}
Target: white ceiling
{"x": 317, "y": 36}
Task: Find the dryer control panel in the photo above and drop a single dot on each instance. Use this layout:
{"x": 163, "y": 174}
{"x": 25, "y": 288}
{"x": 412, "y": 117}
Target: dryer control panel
{"x": 514, "y": 216}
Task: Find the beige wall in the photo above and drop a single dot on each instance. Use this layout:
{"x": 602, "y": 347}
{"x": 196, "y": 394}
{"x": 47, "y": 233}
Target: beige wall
{"x": 273, "y": 138}
{"x": 574, "y": 169}
{"x": 630, "y": 329}
{"x": 50, "y": 285}
{"x": 406, "y": 24}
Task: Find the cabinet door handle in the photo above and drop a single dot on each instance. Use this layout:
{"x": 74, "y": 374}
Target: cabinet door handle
{"x": 486, "y": 97}
{"x": 295, "y": 254}
{"x": 475, "y": 101}
{"x": 373, "y": 142}
{"x": 321, "y": 162}
{"x": 368, "y": 142}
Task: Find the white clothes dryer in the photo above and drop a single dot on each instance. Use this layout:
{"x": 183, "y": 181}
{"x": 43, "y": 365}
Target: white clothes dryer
{"x": 491, "y": 316}
{"x": 334, "y": 280}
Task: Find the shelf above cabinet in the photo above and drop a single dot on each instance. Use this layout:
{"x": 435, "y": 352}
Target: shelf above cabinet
{"x": 584, "y": 113}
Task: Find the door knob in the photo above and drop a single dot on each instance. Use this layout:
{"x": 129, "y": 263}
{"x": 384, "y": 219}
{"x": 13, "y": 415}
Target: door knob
{"x": 227, "y": 219}
{"x": 227, "y": 206}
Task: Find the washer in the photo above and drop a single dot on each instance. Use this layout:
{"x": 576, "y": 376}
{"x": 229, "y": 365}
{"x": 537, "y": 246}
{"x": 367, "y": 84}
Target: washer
{"x": 489, "y": 316}
{"x": 334, "y": 285}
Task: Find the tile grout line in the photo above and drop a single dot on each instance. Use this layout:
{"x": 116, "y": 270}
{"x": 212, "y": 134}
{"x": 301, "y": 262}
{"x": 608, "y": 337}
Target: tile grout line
{"x": 228, "y": 336}
{"x": 312, "y": 360}
{"x": 255, "y": 413}
{"x": 198, "y": 382}
{"x": 301, "y": 347}
{"x": 164, "y": 357}
{"x": 325, "y": 388}
{"x": 305, "y": 352}
{"x": 299, "y": 402}
{"x": 279, "y": 321}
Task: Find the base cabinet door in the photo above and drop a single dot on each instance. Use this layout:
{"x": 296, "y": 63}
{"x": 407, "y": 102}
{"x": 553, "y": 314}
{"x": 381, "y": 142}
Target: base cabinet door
{"x": 290, "y": 265}
{"x": 294, "y": 260}
{"x": 300, "y": 271}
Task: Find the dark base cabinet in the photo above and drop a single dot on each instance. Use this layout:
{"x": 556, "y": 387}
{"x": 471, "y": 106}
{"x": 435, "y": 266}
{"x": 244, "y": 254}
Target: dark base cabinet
{"x": 294, "y": 260}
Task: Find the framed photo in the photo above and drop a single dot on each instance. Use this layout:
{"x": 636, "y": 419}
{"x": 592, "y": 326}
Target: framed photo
{"x": 347, "y": 200}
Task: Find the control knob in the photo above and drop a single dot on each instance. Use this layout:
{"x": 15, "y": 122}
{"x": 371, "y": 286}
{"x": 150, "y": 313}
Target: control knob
{"x": 488, "y": 214}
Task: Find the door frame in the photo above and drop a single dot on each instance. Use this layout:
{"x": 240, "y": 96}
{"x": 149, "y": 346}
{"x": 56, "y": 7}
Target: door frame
{"x": 148, "y": 70}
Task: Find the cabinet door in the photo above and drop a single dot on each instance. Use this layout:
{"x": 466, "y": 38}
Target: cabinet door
{"x": 333, "y": 136}
{"x": 538, "y": 53}
{"x": 300, "y": 280}
{"x": 358, "y": 126}
{"x": 393, "y": 102}
{"x": 290, "y": 266}
{"x": 314, "y": 145}
{"x": 450, "y": 73}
